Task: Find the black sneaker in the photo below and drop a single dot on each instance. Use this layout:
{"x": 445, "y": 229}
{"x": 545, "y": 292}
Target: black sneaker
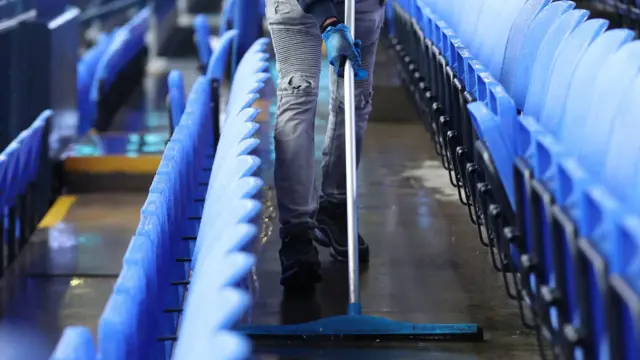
{"x": 332, "y": 224}
{"x": 301, "y": 267}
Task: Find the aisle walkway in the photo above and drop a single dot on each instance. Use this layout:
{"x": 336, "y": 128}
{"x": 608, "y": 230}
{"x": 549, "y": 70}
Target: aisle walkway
{"x": 427, "y": 264}
{"x": 67, "y": 272}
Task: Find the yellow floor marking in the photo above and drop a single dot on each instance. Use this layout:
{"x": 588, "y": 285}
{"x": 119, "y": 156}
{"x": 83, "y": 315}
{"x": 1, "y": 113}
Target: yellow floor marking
{"x": 57, "y": 212}
{"x": 144, "y": 164}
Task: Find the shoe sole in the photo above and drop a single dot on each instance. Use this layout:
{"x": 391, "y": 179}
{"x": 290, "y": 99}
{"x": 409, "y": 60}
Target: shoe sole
{"x": 325, "y": 242}
{"x": 363, "y": 255}
{"x": 303, "y": 277}
{"x": 321, "y": 239}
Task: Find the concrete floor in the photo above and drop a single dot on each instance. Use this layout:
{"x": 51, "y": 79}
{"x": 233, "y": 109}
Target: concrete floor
{"x": 427, "y": 264}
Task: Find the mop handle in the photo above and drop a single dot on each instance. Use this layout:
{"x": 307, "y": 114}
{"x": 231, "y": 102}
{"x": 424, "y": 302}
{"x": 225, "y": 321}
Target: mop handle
{"x": 350, "y": 152}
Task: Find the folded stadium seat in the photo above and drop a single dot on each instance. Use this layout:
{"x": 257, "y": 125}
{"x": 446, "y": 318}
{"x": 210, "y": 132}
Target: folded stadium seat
{"x": 497, "y": 24}
{"x": 246, "y": 98}
{"x": 218, "y": 61}
{"x": 24, "y": 164}
{"x": 482, "y": 33}
{"x": 221, "y": 192}
{"x": 201, "y": 37}
{"x": 176, "y": 97}
{"x": 243, "y": 126}
{"x": 518, "y": 85}
{"x": 547, "y": 55}
{"x": 469, "y": 21}
{"x": 245, "y": 209}
{"x": 200, "y": 324}
{"x": 153, "y": 227}
{"x": 196, "y": 137}
{"x": 242, "y": 166}
{"x": 240, "y": 208}
{"x": 126, "y": 44}
{"x": 524, "y": 20}
{"x": 621, "y": 165}
{"x": 9, "y": 173}
{"x": 132, "y": 283}
{"x": 38, "y": 134}
{"x": 564, "y": 67}
{"x": 251, "y": 70}
{"x": 606, "y": 99}
{"x": 181, "y": 194}
{"x": 141, "y": 254}
{"x": 76, "y": 343}
{"x": 86, "y": 70}
{"x": 39, "y": 128}
{"x": 621, "y": 175}
{"x": 493, "y": 54}
{"x": 117, "y": 328}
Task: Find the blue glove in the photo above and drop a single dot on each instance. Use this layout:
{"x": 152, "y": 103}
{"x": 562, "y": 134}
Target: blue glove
{"x": 340, "y": 47}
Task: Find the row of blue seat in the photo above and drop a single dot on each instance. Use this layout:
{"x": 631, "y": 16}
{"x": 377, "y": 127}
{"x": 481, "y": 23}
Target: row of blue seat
{"x": 531, "y": 107}
{"x": 174, "y": 249}
{"x": 21, "y": 173}
{"x": 101, "y": 65}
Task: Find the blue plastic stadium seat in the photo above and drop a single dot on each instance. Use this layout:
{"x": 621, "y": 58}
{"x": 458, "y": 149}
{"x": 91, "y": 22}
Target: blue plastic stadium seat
{"x": 241, "y": 210}
{"x": 547, "y": 54}
{"x": 176, "y": 97}
{"x": 127, "y": 41}
{"x": 76, "y": 343}
{"x": 200, "y": 322}
{"x": 535, "y": 35}
{"x": 9, "y": 170}
{"x": 218, "y": 61}
{"x": 569, "y": 55}
{"x": 515, "y": 41}
{"x": 492, "y": 55}
{"x": 117, "y": 328}
{"x": 238, "y": 208}
{"x": 87, "y": 67}
{"x": 201, "y": 37}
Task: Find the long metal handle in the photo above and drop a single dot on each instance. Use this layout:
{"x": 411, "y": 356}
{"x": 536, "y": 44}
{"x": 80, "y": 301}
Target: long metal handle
{"x": 352, "y": 189}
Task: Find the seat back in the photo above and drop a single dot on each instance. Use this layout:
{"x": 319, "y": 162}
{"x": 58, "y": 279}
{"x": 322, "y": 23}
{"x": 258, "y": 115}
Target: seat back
{"x": 547, "y": 56}
{"x": 564, "y": 67}
{"x": 515, "y": 40}
{"x": 613, "y": 82}
{"x": 583, "y": 81}
{"x": 519, "y": 85}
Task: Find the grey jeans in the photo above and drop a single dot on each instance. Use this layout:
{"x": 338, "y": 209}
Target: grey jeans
{"x": 298, "y": 48}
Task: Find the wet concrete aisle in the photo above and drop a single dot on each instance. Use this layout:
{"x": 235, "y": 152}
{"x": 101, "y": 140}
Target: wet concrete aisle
{"x": 66, "y": 273}
{"x": 427, "y": 265}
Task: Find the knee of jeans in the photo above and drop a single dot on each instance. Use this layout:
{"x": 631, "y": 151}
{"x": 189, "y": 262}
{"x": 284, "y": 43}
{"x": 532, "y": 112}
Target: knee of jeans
{"x": 298, "y": 84}
{"x": 363, "y": 97}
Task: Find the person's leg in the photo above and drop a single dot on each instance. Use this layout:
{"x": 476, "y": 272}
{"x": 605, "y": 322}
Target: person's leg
{"x": 332, "y": 211}
{"x": 298, "y": 46}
